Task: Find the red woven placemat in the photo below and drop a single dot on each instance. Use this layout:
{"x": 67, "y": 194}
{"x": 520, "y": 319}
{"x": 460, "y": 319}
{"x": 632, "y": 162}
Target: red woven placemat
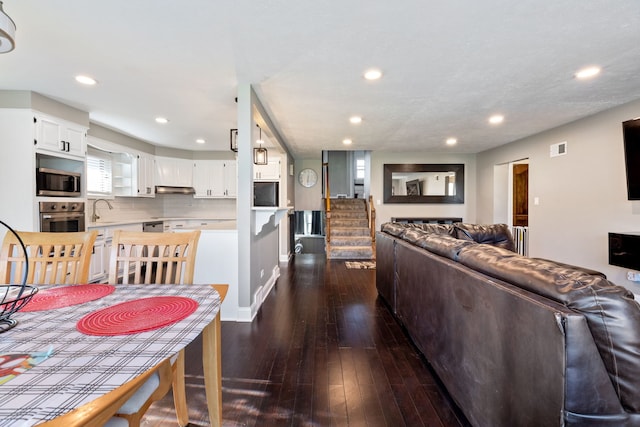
{"x": 140, "y": 315}
{"x": 64, "y": 296}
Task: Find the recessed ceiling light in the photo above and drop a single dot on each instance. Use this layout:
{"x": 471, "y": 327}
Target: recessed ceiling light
{"x": 587, "y": 73}
{"x": 86, "y": 80}
{"x": 496, "y": 119}
{"x": 347, "y": 141}
{"x": 162, "y": 120}
{"x": 355, "y": 120}
{"x": 200, "y": 141}
{"x": 452, "y": 141}
{"x": 373, "y": 74}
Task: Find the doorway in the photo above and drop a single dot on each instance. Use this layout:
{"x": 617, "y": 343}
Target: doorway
{"x": 520, "y": 195}
{"x": 511, "y": 200}
{"x": 349, "y": 173}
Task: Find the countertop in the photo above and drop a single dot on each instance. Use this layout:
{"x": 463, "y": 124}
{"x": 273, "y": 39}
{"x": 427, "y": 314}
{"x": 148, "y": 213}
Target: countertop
{"x": 221, "y": 225}
{"x": 101, "y": 224}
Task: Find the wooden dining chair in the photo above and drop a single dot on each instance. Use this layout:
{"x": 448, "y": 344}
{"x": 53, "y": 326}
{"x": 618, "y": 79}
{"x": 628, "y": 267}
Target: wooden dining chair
{"x": 155, "y": 258}
{"x": 54, "y": 258}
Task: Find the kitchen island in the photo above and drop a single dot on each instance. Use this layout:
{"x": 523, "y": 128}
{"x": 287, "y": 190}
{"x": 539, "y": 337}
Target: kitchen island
{"x": 217, "y": 262}
{"x": 101, "y": 253}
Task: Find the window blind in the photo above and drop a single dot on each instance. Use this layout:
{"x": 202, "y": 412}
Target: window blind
{"x": 99, "y": 173}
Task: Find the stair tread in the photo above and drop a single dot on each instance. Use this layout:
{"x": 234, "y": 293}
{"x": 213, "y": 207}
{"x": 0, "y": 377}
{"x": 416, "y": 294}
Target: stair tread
{"x": 350, "y": 236}
{"x": 347, "y": 247}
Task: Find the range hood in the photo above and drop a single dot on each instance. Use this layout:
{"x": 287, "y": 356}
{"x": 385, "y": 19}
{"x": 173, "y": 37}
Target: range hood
{"x": 166, "y": 189}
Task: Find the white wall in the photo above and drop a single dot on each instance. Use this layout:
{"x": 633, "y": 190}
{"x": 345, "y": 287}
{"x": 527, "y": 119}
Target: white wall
{"x": 385, "y": 211}
{"x": 582, "y": 195}
{"x": 308, "y": 198}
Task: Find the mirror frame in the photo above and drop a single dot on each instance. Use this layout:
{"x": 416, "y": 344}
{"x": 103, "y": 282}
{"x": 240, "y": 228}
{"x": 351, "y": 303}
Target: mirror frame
{"x": 458, "y": 168}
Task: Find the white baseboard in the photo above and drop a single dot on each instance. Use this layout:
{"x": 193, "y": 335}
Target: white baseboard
{"x": 244, "y": 314}
{"x": 247, "y": 314}
{"x": 286, "y": 257}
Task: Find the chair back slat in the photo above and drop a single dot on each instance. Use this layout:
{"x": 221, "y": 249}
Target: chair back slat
{"x": 158, "y": 258}
{"x": 54, "y": 258}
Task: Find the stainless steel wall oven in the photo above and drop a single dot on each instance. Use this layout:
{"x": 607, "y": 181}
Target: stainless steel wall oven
{"x": 62, "y": 216}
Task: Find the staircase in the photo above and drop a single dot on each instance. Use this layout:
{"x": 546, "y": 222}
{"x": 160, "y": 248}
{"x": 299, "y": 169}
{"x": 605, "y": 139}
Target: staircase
{"x": 349, "y": 234}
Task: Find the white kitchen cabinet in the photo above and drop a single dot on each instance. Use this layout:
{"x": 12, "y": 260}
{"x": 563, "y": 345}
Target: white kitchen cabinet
{"x": 215, "y": 178}
{"x": 231, "y": 178}
{"x": 146, "y": 170}
{"x": 208, "y": 178}
{"x": 268, "y": 172}
{"x": 174, "y": 224}
{"x": 99, "y": 268}
{"x": 60, "y": 136}
{"x": 18, "y": 167}
{"x": 99, "y": 258}
{"x": 123, "y": 170}
{"x": 174, "y": 172}
{"x": 133, "y": 172}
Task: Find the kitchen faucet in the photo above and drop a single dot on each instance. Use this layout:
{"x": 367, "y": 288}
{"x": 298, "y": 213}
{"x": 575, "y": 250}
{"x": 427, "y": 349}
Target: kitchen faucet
{"x": 94, "y": 216}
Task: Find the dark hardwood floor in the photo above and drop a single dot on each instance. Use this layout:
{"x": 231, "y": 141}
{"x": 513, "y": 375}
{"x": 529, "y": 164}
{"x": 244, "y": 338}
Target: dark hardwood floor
{"x": 322, "y": 351}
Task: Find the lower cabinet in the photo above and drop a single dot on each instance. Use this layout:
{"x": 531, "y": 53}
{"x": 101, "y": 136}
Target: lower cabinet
{"x": 99, "y": 269}
{"x": 99, "y": 260}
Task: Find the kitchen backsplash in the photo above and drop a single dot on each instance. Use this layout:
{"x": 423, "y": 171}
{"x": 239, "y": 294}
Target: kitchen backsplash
{"x": 164, "y": 206}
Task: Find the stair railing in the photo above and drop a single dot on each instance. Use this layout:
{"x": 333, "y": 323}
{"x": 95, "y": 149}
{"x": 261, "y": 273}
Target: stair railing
{"x": 371, "y": 212}
{"x": 327, "y": 203}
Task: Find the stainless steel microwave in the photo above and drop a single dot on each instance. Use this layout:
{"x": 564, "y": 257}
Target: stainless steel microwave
{"x": 52, "y": 182}
{"x": 265, "y": 194}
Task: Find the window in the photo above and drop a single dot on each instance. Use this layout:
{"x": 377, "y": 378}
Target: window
{"x": 360, "y": 169}
{"x": 99, "y": 175}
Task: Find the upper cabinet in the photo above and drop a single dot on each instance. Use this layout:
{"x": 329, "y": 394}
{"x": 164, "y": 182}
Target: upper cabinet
{"x": 146, "y": 174}
{"x": 231, "y": 178}
{"x": 215, "y": 178}
{"x": 60, "y": 136}
{"x": 173, "y": 172}
{"x": 130, "y": 172}
{"x": 268, "y": 172}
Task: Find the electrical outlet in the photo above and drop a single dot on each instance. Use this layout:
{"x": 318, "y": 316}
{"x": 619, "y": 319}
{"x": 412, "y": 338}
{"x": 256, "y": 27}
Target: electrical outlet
{"x": 634, "y": 276}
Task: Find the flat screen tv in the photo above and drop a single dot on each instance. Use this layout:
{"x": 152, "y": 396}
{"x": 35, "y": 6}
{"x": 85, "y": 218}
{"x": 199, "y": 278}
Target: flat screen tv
{"x": 631, "y": 132}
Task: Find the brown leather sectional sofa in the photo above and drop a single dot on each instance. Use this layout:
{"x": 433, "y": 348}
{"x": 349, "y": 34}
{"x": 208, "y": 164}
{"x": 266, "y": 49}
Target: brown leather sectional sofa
{"x": 516, "y": 341}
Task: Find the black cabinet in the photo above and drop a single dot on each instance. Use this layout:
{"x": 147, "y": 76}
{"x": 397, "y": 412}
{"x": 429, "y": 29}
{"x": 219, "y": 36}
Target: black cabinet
{"x": 624, "y": 250}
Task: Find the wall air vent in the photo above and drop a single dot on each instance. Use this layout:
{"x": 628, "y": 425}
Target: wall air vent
{"x": 559, "y": 149}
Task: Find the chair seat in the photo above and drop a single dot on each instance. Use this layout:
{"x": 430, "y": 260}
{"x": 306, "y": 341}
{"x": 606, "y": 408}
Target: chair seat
{"x": 116, "y": 422}
{"x": 135, "y": 402}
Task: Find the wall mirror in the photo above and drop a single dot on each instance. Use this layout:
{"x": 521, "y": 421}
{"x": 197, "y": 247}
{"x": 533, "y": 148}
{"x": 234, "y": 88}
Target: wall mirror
{"x": 423, "y": 183}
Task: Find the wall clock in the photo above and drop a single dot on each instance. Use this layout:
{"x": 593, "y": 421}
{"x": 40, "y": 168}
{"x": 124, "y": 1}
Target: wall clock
{"x": 307, "y": 178}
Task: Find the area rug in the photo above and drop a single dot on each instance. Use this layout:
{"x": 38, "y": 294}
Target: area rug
{"x": 361, "y": 265}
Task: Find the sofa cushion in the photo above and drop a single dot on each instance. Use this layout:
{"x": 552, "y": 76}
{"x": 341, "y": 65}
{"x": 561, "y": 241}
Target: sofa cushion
{"x": 443, "y": 245}
{"x": 610, "y": 310}
{"x": 583, "y": 269}
{"x": 394, "y": 228}
{"x": 492, "y": 234}
{"x": 435, "y": 228}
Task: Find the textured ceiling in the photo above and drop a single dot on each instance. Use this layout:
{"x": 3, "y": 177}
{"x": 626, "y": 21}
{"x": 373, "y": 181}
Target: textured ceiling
{"x": 447, "y": 67}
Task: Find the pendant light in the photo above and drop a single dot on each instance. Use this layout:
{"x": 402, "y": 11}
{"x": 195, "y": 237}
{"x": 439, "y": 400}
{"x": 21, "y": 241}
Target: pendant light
{"x": 260, "y": 153}
{"x": 7, "y": 32}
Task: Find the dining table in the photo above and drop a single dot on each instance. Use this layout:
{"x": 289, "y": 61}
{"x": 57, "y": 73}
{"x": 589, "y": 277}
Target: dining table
{"x": 95, "y": 339}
